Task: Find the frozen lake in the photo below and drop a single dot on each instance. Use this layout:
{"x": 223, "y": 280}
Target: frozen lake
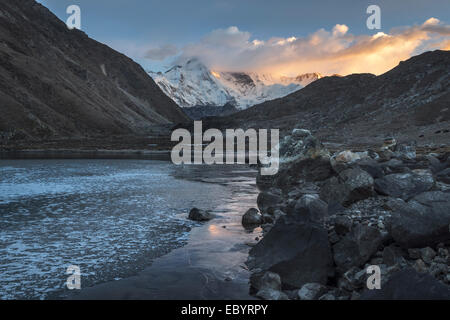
{"x": 109, "y": 217}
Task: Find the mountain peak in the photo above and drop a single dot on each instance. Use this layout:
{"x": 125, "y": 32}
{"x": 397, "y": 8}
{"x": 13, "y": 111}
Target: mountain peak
{"x": 193, "y": 84}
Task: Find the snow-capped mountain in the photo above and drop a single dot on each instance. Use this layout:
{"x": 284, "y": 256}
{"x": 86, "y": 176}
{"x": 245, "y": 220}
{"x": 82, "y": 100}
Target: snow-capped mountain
{"x": 193, "y": 84}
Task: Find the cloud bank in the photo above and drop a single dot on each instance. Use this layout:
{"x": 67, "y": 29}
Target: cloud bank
{"x": 327, "y": 52}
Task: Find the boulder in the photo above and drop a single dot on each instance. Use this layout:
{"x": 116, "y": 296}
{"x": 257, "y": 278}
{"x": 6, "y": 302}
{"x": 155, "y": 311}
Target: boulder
{"x": 394, "y": 166}
{"x": 252, "y": 217}
{"x": 408, "y": 284}
{"x": 357, "y": 247}
{"x": 302, "y": 157}
{"x": 372, "y": 167}
{"x": 406, "y": 151}
{"x": 405, "y": 185}
{"x": 310, "y": 207}
{"x": 311, "y": 291}
{"x": 350, "y": 186}
{"x": 271, "y": 280}
{"x": 444, "y": 176}
{"x": 344, "y": 159}
{"x": 269, "y": 199}
{"x": 423, "y": 221}
{"x": 200, "y": 215}
{"x": 342, "y": 224}
{"x": 271, "y": 294}
{"x": 298, "y": 251}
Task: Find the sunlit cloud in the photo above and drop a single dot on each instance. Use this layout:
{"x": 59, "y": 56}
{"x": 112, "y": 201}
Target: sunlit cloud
{"x": 326, "y": 52}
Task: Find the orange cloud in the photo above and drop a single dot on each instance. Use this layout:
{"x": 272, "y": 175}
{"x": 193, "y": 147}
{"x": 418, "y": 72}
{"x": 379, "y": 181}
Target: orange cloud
{"x": 327, "y": 52}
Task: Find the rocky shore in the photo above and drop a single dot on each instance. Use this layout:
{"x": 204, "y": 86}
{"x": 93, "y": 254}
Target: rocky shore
{"x": 328, "y": 219}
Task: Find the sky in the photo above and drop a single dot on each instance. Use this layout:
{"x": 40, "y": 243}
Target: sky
{"x": 284, "y": 37}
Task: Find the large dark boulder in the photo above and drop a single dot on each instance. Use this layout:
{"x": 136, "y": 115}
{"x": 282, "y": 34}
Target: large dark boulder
{"x": 408, "y": 284}
{"x": 350, "y": 186}
{"x": 310, "y": 208}
{"x": 269, "y": 199}
{"x": 299, "y": 252}
{"x": 357, "y": 247}
{"x": 405, "y": 185}
{"x": 423, "y": 221}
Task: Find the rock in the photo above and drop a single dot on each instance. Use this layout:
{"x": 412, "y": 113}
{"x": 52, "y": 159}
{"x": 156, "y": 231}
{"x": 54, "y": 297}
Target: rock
{"x": 200, "y": 215}
{"x": 404, "y": 185}
{"x": 271, "y": 280}
{"x": 342, "y": 224}
{"x": 408, "y": 284}
{"x": 427, "y": 254}
{"x": 310, "y": 207}
{"x": 372, "y": 167}
{"x": 344, "y": 159}
{"x": 327, "y": 296}
{"x": 299, "y": 252}
{"x": 304, "y": 170}
{"x": 311, "y": 291}
{"x": 423, "y": 221}
{"x": 352, "y": 279}
{"x": 351, "y": 185}
{"x": 389, "y": 143}
{"x": 271, "y": 294}
{"x": 405, "y": 151}
{"x": 434, "y": 163}
{"x": 414, "y": 253}
{"x": 392, "y": 255}
{"x": 269, "y": 199}
{"x": 301, "y": 145}
{"x": 266, "y": 218}
{"x": 357, "y": 247}
{"x": 251, "y": 218}
{"x": 333, "y": 237}
{"x": 420, "y": 266}
{"x": 301, "y": 134}
{"x": 444, "y": 176}
{"x": 443, "y": 252}
{"x": 394, "y": 166}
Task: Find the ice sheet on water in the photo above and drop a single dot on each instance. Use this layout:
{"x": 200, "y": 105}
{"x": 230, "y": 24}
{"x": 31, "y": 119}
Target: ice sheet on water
{"x": 110, "y": 217}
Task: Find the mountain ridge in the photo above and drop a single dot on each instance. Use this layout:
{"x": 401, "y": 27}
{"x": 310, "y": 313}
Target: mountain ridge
{"x": 56, "y": 82}
{"x": 411, "y": 101}
{"x": 192, "y": 84}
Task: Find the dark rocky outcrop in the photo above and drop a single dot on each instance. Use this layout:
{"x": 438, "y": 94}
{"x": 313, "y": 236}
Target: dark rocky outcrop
{"x": 325, "y": 249}
{"x": 299, "y": 252}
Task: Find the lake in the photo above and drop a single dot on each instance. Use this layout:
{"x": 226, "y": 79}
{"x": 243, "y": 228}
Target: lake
{"x": 111, "y": 218}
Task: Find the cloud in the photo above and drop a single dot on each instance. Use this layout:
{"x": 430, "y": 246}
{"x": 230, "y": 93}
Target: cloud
{"x": 327, "y": 52}
{"x": 161, "y": 53}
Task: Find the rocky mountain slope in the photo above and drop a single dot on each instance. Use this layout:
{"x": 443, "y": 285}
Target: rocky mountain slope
{"x": 56, "y": 82}
{"x": 194, "y": 85}
{"x": 410, "y": 101}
